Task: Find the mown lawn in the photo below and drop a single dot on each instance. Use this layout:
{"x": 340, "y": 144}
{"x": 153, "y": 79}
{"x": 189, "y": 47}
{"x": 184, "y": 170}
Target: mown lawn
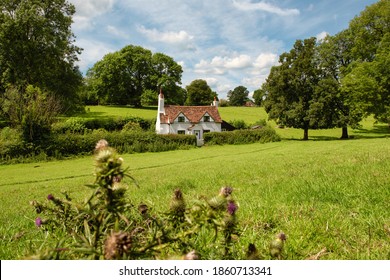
{"x": 329, "y": 197}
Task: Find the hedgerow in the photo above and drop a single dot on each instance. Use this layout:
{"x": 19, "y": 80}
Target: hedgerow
{"x": 262, "y": 135}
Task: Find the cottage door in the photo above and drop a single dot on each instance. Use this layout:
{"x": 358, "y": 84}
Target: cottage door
{"x": 197, "y": 133}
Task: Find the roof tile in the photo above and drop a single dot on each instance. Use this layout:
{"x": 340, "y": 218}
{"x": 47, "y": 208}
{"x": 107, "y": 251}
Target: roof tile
{"x": 193, "y": 113}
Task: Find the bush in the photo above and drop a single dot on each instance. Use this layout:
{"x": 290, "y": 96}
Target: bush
{"x": 78, "y": 125}
{"x": 263, "y": 135}
{"x": 124, "y": 141}
{"x": 239, "y": 124}
{"x": 11, "y": 143}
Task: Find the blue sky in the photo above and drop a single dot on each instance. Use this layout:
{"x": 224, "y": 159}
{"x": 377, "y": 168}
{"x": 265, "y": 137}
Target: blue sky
{"x": 225, "y": 42}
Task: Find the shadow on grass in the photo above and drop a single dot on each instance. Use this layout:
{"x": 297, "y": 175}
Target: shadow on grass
{"x": 132, "y": 107}
{"x": 377, "y": 131}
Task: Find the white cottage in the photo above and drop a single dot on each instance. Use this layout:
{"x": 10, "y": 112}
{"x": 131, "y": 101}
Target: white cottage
{"x": 194, "y": 120}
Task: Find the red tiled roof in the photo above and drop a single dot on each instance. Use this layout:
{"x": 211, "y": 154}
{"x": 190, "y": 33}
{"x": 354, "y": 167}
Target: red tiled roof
{"x": 193, "y": 113}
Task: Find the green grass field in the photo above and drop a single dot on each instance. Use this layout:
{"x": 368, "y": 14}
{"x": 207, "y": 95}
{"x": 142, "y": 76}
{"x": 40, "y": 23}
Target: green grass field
{"x": 331, "y": 197}
{"x": 250, "y": 115}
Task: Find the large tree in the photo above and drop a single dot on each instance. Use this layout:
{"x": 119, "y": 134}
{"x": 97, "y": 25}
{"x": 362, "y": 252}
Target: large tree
{"x": 258, "y": 96}
{"x": 167, "y": 75}
{"x": 368, "y": 78}
{"x": 238, "y": 96}
{"x": 37, "y": 48}
{"x": 368, "y": 30}
{"x": 199, "y": 93}
{"x": 369, "y": 83}
{"x": 330, "y": 105}
{"x": 123, "y": 76}
{"x": 290, "y": 87}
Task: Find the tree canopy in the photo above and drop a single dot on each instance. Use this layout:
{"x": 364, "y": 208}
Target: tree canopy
{"x": 36, "y": 48}
{"x": 124, "y": 76}
{"x": 290, "y": 87}
{"x": 238, "y": 96}
{"x": 199, "y": 93}
{"x": 337, "y": 81}
{"x": 367, "y": 80}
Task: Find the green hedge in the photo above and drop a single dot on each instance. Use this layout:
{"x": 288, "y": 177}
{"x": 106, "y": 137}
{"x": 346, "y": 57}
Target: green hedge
{"x": 60, "y": 145}
{"x": 263, "y": 135}
{"x": 80, "y": 125}
{"x": 123, "y": 141}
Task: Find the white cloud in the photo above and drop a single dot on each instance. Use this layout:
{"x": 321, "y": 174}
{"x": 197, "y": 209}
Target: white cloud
{"x": 321, "y": 36}
{"x": 116, "y": 32}
{"x": 93, "y": 52}
{"x": 219, "y": 65}
{"x": 266, "y": 7}
{"x": 266, "y": 60}
{"x": 86, "y": 10}
{"x": 181, "y": 38}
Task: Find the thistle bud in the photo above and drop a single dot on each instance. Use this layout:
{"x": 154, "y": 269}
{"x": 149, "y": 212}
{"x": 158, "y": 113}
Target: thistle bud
{"x": 37, "y": 206}
{"x": 276, "y": 246}
{"x": 177, "y": 204}
{"x": 229, "y": 221}
{"x": 217, "y": 202}
{"x": 252, "y": 253}
{"x": 193, "y": 255}
{"x": 101, "y": 144}
{"x": 116, "y": 245}
{"x": 225, "y": 191}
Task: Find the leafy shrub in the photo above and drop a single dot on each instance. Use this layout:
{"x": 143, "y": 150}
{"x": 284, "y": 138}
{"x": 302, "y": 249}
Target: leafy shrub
{"x": 72, "y": 125}
{"x": 124, "y": 141}
{"x": 11, "y": 142}
{"x": 132, "y": 126}
{"x": 239, "y": 124}
{"x": 263, "y": 135}
{"x": 78, "y": 125}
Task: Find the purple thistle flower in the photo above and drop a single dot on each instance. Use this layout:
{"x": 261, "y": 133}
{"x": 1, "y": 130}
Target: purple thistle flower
{"x": 50, "y": 197}
{"x": 38, "y": 222}
{"x": 232, "y": 207}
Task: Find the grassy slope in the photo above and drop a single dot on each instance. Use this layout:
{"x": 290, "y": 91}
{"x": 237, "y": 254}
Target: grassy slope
{"x": 323, "y": 194}
{"x": 250, "y": 115}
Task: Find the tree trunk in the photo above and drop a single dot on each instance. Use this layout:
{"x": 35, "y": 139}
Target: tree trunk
{"x": 305, "y": 134}
{"x": 344, "y": 134}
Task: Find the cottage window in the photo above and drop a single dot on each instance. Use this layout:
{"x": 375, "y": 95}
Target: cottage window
{"x": 181, "y": 132}
{"x": 181, "y": 119}
{"x": 206, "y": 118}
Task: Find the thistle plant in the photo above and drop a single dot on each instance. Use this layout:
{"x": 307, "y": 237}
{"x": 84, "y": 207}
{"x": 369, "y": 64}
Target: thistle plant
{"x": 107, "y": 225}
{"x": 276, "y": 245}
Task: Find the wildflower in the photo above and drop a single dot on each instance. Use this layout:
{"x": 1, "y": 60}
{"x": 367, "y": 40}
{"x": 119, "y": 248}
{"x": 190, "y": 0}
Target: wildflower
{"x": 50, "y": 197}
{"x": 232, "y": 207}
{"x": 38, "y": 222}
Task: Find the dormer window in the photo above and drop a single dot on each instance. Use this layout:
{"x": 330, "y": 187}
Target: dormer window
{"x": 181, "y": 119}
{"x": 206, "y": 118}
